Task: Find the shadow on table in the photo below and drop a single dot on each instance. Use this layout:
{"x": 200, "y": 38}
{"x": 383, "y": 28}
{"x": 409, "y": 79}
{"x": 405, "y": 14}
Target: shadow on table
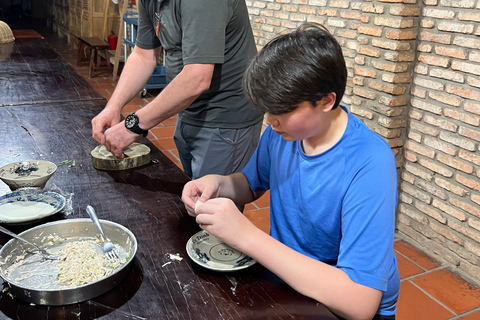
{"x": 100, "y": 306}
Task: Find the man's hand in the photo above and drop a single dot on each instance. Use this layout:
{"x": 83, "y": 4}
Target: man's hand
{"x": 118, "y": 138}
{"x": 105, "y": 119}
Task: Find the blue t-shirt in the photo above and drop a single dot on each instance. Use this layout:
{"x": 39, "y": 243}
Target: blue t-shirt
{"x": 338, "y": 206}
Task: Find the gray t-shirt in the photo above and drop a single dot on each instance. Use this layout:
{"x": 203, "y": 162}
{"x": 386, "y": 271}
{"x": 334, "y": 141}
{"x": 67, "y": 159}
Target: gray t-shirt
{"x": 204, "y": 31}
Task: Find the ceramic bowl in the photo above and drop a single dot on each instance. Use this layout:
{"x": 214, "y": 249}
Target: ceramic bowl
{"x": 30, "y": 173}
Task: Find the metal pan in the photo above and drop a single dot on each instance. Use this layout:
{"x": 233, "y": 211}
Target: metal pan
{"x": 68, "y": 229}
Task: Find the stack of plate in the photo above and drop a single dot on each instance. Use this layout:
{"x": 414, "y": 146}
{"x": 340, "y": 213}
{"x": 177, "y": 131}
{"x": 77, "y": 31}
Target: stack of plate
{"x": 28, "y": 201}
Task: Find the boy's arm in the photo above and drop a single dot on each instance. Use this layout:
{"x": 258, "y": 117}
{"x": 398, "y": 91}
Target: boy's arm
{"x": 234, "y": 187}
{"x": 322, "y": 282}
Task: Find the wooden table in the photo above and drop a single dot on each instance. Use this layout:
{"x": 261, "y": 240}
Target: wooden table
{"x": 147, "y": 201}
{"x": 31, "y": 73}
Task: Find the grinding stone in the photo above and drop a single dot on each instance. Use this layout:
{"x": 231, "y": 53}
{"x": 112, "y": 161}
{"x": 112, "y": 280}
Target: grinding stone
{"x": 136, "y": 155}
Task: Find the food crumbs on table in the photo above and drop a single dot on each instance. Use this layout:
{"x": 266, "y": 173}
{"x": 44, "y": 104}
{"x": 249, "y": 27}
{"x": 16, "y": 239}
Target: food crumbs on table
{"x": 176, "y": 257}
{"x": 63, "y": 162}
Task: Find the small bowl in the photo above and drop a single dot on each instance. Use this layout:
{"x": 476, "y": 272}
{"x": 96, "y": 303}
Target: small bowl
{"x": 30, "y": 173}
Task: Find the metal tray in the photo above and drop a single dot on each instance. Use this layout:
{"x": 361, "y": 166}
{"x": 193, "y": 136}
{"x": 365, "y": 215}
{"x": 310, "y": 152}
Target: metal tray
{"x": 70, "y": 228}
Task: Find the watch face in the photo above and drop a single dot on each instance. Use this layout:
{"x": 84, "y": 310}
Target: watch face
{"x": 130, "y": 121}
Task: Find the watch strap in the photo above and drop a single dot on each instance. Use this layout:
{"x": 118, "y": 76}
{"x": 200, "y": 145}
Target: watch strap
{"x": 135, "y": 128}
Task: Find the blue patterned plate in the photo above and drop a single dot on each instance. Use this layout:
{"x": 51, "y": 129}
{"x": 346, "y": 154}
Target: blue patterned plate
{"x": 29, "y": 205}
{"x": 211, "y": 253}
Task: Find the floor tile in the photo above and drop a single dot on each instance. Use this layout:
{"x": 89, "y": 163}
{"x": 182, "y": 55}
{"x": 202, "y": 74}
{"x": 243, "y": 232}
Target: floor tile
{"x": 407, "y": 268}
{"x": 415, "y": 255}
{"x": 164, "y": 144}
{"x": 165, "y": 132}
{"x": 174, "y": 158}
{"x": 473, "y": 316}
{"x": 260, "y": 218}
{"x": 170, "y": 122}
{"x": 451, "y": 290}
{"x": 131, "y": 108}
{"x": 263, "y": 201}
{"x": 413, "y": 304}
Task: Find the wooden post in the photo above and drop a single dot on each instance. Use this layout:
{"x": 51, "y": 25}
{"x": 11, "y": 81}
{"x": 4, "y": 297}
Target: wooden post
{"x": 120, "y": 40}
{"x": 105, "y": 21}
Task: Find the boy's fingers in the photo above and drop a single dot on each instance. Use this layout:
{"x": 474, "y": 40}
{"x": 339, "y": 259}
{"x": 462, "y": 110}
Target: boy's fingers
{"x": 198, "y": 204}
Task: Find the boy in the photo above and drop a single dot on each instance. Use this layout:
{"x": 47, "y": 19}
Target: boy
{"x": 332, "y": 182}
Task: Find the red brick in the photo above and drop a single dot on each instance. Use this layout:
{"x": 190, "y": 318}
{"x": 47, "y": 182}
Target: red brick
{"x": 372, "y": 8}
{"x": 439, "y": 145}
{"x": 464, "y": 93}
{"x": 400, "y": 35}
{"x": 455, "y": 27}
{"x": 438, "y": 13}
{"x": 451, "y": 162}
{"x": 454, "y": 114}
{"x": 434, "y": 61}
{"x": 371, "y": 31}
{"x": 472, "y": 107}
{"x": 469, "y": 133}
{"x": 471, "y": 157}
{"x": 466, "y": 181}
{"x": 405, "y": 11}
{"x": 466, "y": 67}
{"x": 451, "y": 52}
{"x": 420, "y": 149}
{"x": 433, "y": 37}
{"x": 365, "y": 72}
{"x": 445, "y": 98}
{"x": 469, "y": 16}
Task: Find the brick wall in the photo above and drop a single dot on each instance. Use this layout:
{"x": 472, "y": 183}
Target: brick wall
{"x": 414, "y": 78}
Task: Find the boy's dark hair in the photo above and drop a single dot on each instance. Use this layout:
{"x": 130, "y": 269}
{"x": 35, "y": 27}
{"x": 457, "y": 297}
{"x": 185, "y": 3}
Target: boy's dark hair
{"x": 304, "y": 65}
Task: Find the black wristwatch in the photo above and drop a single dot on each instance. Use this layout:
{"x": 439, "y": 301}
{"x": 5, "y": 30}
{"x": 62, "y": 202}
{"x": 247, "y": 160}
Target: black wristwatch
{"x": 131, "y": 123}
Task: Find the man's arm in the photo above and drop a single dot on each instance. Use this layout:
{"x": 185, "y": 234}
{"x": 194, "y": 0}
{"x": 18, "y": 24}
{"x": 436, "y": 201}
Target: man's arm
{"x": 135, "y": 74}
{"x": 192, "y": 81}
{"x": 180, "y": 93}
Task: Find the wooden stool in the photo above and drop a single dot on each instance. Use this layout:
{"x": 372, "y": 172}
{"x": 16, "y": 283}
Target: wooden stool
{"x": 95, "y": 45}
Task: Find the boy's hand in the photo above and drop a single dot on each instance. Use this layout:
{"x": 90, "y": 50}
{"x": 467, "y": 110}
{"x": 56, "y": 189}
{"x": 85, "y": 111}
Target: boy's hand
{"x": 220, "y": 217}
{"x": 198, "y": 191}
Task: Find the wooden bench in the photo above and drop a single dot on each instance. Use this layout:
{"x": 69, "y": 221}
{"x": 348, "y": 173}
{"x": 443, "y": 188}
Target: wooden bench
{"x": 96, "y": 45}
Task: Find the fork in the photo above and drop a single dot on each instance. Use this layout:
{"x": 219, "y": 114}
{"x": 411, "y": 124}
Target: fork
{"x": 43, "y": 252}
{"x": 109, "y": 249}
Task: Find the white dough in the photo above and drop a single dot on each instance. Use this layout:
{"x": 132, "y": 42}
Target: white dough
{"x": 198, "y": 204}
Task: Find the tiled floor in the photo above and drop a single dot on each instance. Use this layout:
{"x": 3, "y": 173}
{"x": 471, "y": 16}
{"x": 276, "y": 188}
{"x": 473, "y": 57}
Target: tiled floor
{"x": 429, "y": 291}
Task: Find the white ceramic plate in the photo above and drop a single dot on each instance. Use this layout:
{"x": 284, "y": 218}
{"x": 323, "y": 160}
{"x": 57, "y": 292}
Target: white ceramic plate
{"x": 29, "y": 205}
{"x": 211, "y": 253}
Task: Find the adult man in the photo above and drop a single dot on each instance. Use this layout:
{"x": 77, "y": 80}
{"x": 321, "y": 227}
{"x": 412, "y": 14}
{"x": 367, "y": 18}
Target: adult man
{"x": 208, "y": 44}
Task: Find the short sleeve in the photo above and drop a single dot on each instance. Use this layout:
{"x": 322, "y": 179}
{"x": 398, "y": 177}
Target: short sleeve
{"x": 203, "y": 30}
{"x": 257, "y": 170}
{"x": 146, "y": 34}
{"x": 368, "y": 222}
